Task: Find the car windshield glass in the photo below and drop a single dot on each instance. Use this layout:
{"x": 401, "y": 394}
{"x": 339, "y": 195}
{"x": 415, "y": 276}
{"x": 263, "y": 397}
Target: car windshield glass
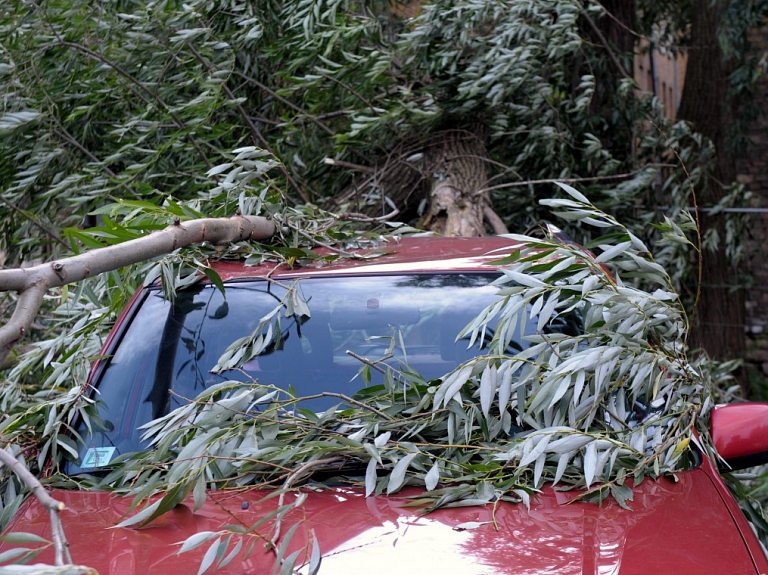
{"x": 165, "y": 356}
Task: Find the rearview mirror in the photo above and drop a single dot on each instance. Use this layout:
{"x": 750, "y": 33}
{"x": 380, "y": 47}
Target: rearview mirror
{"x": 740, "y": 434}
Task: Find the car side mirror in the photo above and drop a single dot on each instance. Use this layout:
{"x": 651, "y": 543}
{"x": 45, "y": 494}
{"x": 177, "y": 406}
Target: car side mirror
{"x": 740, "y": 434}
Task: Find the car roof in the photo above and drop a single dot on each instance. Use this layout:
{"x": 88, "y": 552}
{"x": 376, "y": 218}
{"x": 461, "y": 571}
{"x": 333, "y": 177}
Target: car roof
{"x": 411, "y": 254}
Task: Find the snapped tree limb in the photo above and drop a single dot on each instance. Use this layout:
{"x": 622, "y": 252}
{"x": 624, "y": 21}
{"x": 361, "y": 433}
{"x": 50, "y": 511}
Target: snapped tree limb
{"x": 32, "y": 283}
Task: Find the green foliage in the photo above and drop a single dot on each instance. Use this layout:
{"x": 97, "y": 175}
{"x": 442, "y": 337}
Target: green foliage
{"x": 108, "y": 100}
{"x": 47, "y": 389}
{"x": 498, "y": 427}
{"x": 135, "y": 101}
{"x": 120, "y": 117}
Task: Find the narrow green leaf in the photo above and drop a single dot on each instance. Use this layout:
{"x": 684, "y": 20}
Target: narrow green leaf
{"x": 397, "y": 477}
{"x": 209, "y": 557}
{"x": 196, "y": 540}
{"x": 590, "y": 463}
{"x": 141, "y": 517}
{"x": 370, "y": 477}
{"x": 22, "y": 537}
{"x": 432, "y": 478}
{"x": 571, "y": 191}
{"x": 232, "y": 554}
{"x": 487, "y": 388}
{"x": 315, "y": 557}
{"x": 214, "y": 278}
{"x": 13, "y": 554}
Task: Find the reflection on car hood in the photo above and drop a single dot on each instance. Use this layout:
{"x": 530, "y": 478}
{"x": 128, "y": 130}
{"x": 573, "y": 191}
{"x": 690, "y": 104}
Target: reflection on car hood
{"x": 681, "y": 527}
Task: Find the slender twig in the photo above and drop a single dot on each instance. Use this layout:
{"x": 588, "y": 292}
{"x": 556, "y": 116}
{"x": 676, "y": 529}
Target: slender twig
{"x": 255, "y": 132}
{"x": 560, "y": 180}
{"x": 350, "y": 165}
{"x": 287, "y": 102}
{"x": 356, "y": 217}
{"x": 36, "y": 222}
{"x": 323, "y": 244}
{"x": 54, "y": 506}
{"x": 301, "y": 470}
{"x": 477, "y": 447}
{"x": 349, "y": 89}
{"x": 621, "y": 24}
{"x": 368, "y": 362}
{"x": 63, "y": 133}
{"x": 289, "y": 481}
{"x": 697, "y": 219}
{"x": 493, "y": 219}
{"x": 361, "y": 404}
{"x": 606, "y": 45}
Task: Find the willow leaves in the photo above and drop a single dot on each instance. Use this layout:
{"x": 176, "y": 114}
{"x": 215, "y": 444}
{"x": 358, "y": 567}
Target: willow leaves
{"x": 582, "y": 381}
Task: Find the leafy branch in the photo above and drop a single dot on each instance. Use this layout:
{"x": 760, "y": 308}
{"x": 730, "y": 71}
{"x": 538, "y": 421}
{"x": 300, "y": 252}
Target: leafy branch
{"x": 596, "y": 411}
{"x": 33, "y": 283}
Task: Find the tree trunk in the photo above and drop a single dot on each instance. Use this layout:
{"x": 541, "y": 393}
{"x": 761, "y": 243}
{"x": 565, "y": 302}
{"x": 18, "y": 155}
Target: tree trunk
{"x": 719, "y": 316}
{"x": 457, "y": 199}
{"x": 441, "y": 181}
{"x": 617, "y": 28}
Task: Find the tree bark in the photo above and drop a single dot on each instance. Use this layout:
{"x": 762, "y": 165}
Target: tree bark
{"x": 457, "y": 199}
{"x": 446, "y": 174}
{"x": 719, "y": 316}
{"x": 615, "y": 31}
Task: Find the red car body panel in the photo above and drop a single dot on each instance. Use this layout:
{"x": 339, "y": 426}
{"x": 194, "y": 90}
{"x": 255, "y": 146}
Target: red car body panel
{"x": 692, "y": 525}
{"x": 407, "y": 254}
{"x": 678, "y": 527}
{"x": 740, "y": 430}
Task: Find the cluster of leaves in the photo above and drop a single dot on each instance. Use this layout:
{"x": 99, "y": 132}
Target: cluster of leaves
{"x": 46, "y": 390}
{"x": 138, "y": 101}
{"x": 575, "y": 398}
{"x": 143, "y": 101}
{"x": 598, "y": 411}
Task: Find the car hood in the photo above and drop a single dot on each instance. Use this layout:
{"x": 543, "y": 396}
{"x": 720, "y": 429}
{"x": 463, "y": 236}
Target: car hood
{"x": 672, "y": 527}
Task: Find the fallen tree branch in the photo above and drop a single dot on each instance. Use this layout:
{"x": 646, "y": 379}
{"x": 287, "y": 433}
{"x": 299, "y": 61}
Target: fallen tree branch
{"x": 32, "y": 283}
{"x": 357, "y": 217}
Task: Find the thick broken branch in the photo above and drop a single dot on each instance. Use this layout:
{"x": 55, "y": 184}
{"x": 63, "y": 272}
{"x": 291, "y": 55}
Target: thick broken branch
{"x": 32, "y": 283}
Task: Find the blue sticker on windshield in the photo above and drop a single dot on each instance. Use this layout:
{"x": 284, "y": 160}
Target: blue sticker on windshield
{"x": 98, "y": 456}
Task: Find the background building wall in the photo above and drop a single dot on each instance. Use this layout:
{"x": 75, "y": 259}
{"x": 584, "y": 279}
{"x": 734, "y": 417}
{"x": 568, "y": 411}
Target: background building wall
{"x": 661, "y": 72}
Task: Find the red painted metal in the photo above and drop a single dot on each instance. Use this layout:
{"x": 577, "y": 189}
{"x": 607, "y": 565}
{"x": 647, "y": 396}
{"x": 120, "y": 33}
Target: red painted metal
{"x": 408, "y": 254}
{"x": 740, "y": 429}
{"x": 674, "y": 527}
{"x": 691, "y": 525}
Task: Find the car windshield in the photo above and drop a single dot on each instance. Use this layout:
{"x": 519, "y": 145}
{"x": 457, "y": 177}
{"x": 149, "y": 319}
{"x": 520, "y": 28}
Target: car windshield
{"x": 165, "y": 356}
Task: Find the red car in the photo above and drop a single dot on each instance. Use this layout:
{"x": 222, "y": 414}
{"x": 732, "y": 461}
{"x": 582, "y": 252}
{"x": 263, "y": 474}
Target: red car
{"x": 162, "y": 352}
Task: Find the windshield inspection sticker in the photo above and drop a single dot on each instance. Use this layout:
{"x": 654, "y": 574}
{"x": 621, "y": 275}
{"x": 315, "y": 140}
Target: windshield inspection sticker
{"x": 98, "y": 456}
